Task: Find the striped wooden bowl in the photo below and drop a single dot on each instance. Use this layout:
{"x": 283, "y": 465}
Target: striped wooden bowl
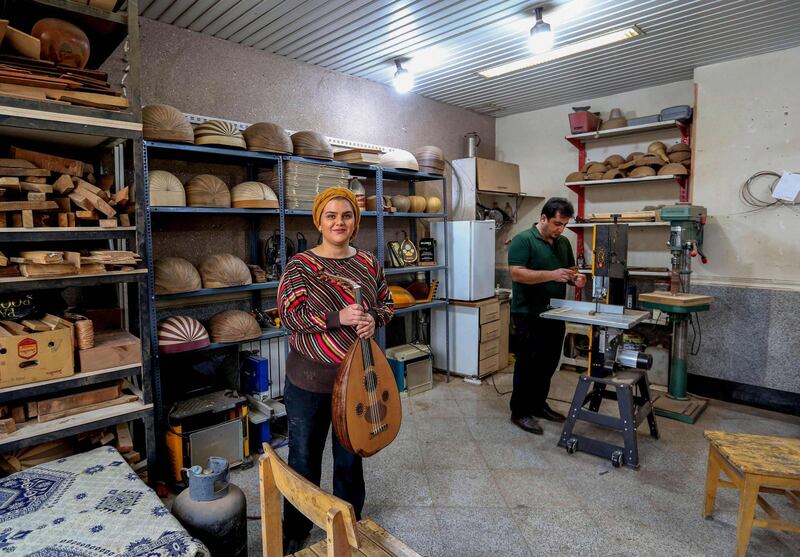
{"x": 181, "y": 333}
{"x": 217, "y": 132}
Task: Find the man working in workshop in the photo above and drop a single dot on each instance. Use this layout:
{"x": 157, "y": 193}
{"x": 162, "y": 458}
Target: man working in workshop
{"x": 542, "y": 264}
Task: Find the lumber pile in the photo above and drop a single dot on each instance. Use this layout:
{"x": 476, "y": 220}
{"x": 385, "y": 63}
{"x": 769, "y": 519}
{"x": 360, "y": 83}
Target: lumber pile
{"x": 44, "y": 263}
{"x": 44, "y": 190}
{"x": 45, "y": 81}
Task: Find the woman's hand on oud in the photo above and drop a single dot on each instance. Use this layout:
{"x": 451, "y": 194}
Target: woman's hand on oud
{"x": 366, "y": 328}
{"x": 352, "y": 315}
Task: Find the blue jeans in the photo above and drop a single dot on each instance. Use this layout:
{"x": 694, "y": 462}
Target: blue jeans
{"x": 309, "y": 417}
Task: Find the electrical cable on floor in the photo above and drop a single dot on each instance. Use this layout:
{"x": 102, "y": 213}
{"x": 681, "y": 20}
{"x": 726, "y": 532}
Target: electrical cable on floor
{"x": 498, "y": 390}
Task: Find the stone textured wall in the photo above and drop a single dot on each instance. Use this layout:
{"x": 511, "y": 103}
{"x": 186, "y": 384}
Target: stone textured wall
{"x": 200, "y": 74}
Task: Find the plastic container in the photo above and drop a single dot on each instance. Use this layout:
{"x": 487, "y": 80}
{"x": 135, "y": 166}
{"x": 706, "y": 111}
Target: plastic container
{"x": 644, "y": 120}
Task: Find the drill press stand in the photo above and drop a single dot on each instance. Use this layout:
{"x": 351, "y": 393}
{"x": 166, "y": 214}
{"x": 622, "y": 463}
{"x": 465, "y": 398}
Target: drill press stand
{"x": 678, "y": 404}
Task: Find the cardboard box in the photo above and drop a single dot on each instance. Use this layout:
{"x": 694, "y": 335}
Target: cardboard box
{"x": 497, "y": 176}
{"x": 32, "y": 357}
{"x": 111, "y": 349}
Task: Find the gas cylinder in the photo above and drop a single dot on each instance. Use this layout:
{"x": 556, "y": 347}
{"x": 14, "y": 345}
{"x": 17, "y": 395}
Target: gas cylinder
{"x": 214, "y": 510}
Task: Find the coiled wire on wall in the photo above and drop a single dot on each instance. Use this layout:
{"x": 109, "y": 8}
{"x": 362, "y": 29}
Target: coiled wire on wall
{"x": 751, "y": 199}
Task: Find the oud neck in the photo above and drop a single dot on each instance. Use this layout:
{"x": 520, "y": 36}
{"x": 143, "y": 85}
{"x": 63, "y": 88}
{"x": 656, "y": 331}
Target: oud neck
{"x": 365, "y": 347}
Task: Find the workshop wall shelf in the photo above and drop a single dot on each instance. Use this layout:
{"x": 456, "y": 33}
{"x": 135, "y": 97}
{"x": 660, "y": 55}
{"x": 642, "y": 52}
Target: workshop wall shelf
{"x": 111, "y": 141}
{"x": 580, "y": 138}
{"x": 632, "y": 224}
{"x": 250, "y": 161}
{"x": 270, "y": 285}
{"x": 574, "y": 186}
{"x": 61, "y": 234}
{"x": 580, "y": 141}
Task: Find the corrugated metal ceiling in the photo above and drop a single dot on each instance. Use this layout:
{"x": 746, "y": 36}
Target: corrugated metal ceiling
{"x": 449, "y": 41}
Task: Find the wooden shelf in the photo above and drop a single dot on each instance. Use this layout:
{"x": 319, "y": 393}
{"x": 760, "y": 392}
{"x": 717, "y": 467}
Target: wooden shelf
{"x": 80, "y": 379}
{"x": 270, "y": 334}
{"x": 416, "y": 269}
{"x": 660, "y": 274}
{"x": 214, "y": 211}
{"x": 628, "y": 130}
{"x": 633, "y": 224}
{"x": 33, "y": 432}
{"x": 65, "y": 125}
{"x": 72, "y": 233}
{"x": 624, "y": 181}
{"x": 271, "y": 285}
{"x": 109, "y": 277}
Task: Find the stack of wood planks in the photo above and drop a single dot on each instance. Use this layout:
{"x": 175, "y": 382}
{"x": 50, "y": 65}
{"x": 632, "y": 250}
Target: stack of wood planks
{"x": 29, "y": 77}
{"x": 44, "y": 263}
{"x": 38, "y": 189}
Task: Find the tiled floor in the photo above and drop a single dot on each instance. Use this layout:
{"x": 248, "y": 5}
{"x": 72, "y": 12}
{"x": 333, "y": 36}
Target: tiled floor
{"x": 461, "y": 480}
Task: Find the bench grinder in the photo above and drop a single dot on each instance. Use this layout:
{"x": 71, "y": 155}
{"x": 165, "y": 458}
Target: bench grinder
{"x": 685, "y": 242}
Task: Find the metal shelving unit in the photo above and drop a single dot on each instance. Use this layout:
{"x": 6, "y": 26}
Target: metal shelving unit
{"x": 251, "y": 161}
{"x": 580, "y": 141}
{"x": 93, "y": 132}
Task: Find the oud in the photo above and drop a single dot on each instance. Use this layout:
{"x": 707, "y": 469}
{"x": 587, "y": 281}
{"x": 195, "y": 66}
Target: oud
{"x": 366, "y": 409}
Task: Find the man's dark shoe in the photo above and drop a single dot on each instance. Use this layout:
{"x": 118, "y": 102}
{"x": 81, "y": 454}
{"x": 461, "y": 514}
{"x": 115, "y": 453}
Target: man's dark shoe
{"x": 550, "y": 415}
{"x": 529, "y": 424}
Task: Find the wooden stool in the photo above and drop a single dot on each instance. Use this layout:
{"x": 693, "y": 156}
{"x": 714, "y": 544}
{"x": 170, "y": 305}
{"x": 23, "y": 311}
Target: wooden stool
{"x": 753, "y": 464}
{"x": 345, "y": 536}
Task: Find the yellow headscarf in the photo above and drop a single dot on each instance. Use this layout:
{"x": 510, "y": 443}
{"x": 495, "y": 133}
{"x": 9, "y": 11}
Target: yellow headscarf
{"x": 332, "y": 193}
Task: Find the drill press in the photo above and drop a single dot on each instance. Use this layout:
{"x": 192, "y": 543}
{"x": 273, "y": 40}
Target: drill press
{"x": 685, "y": 242}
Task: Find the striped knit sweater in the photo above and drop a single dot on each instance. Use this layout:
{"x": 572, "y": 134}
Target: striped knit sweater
{"x": 309, "y": 309}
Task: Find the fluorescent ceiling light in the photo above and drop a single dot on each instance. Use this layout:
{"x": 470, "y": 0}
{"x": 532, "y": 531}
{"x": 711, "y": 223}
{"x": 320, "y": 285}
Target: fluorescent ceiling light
{"x": 564, "y": 51}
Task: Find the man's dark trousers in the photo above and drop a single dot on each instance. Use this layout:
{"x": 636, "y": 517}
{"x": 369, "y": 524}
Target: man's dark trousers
{"x": 538, "y": 345}
{"x": 309, "y": 417}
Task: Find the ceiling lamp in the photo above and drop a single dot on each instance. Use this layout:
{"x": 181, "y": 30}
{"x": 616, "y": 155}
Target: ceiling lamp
{"x": 564, "y": 51}
{"x": 403, "y": 79}
{"x": 542, "y": 37}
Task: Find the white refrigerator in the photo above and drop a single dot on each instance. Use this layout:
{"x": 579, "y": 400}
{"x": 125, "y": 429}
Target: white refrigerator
{"x": 470, "y": 258}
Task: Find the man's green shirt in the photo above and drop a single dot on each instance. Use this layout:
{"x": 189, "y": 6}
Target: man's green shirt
{"x": 529, "y": 250}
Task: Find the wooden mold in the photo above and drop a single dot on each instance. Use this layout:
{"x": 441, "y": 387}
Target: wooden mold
{"x": 223, "y": 270}
{"x": 161, "y": 122}
{"x": 206, "y": 190}
{"x": 233, "y": 325}
{"x": 174, "y": 275}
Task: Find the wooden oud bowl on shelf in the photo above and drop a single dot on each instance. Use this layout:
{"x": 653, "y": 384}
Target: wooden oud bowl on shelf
{"x": 174, "y": 275}
{"x": 312, "y": 145}
{"x": 268, "y": 137}
{"x": 62, "y": 42}
{"x": 206, "y": 190}
{"x": 161, "y": 122}
{"x": 223, "y": 270}
{"x": 233, "y": 325}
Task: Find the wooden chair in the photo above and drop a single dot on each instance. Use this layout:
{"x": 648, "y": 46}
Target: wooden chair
{"x": 753, "y": 464}
{"x": 345, "y": 536}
